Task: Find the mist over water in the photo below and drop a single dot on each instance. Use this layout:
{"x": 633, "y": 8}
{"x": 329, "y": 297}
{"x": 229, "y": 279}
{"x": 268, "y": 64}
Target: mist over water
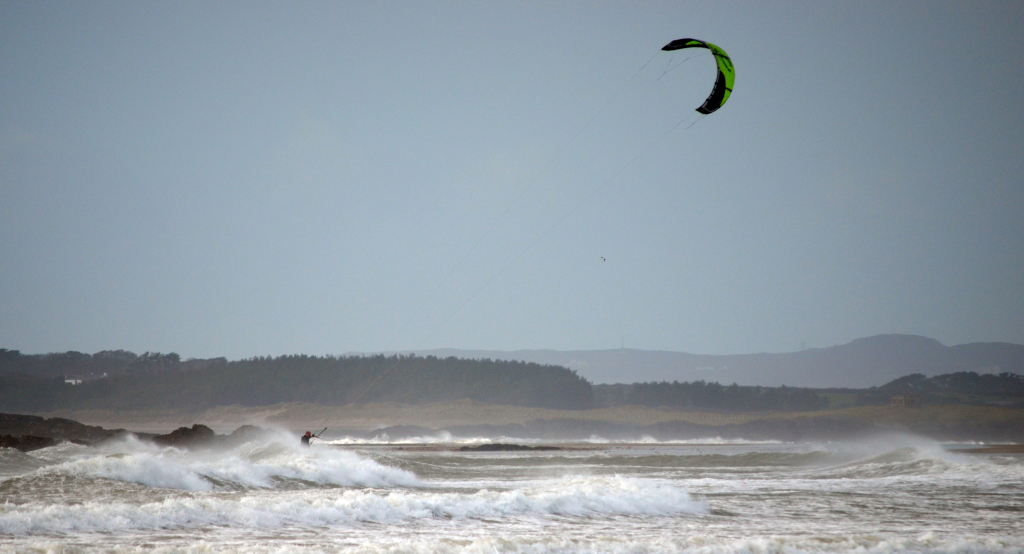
{"x": 711, "y": 496}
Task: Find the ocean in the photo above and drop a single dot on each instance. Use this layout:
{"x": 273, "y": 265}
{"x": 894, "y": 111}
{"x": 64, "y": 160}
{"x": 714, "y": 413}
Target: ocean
{"x": 889, "y": 495}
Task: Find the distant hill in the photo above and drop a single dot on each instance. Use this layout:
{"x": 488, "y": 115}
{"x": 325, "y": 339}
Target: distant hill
{"x": 865, "y": 362}
{"x": 264, "y": 381}
{"x": 966, "y": 387}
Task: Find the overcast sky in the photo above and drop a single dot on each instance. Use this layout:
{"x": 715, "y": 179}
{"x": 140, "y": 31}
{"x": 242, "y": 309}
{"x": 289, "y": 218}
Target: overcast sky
{"x": 240, "y": 179}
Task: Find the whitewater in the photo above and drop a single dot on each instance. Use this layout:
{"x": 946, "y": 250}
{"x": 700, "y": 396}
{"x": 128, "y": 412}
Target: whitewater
{"x": 893, "y": 495}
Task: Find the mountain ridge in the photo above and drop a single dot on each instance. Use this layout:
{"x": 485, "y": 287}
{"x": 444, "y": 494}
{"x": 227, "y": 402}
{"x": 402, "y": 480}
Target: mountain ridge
{"x": 861, "y": 363}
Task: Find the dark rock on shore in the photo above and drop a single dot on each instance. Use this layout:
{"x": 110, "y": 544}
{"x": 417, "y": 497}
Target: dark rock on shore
{"x": 499, "y": 447}
{"x": 56, "y": 429}
{"x": 26, "y": 443}
{"x": 28, "y": 432}
{"x": 197, "y": 435}
{"x": 201, "y": 436}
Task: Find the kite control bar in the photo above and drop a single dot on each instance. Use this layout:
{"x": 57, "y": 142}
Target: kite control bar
{"x": 317, "y": 436}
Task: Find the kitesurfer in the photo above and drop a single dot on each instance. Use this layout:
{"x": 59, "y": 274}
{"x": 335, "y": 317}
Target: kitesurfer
{"x": 305, "y": 439}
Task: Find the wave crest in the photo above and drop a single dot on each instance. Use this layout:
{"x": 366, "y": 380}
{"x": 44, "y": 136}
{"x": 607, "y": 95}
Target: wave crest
{"x": 570, "y": 497}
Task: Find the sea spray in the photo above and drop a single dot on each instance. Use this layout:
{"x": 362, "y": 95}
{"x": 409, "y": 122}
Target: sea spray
{"x": 585, "y": 497}
{"x": 264, "y": 466}
{"x": 274, "y": 497}
{"x": 445, "y": 437}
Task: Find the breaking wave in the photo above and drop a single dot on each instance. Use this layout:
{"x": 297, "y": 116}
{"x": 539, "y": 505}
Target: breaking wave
{"x": 570, "y": 497}
{"x": 883, "y": 497}
{"x": 252, "y": 465}
{"x": 689, "y": 543}
{"x": 444, "y": 437}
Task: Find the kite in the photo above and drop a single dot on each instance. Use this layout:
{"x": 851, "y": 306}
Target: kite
{"x": 726, "y": 73}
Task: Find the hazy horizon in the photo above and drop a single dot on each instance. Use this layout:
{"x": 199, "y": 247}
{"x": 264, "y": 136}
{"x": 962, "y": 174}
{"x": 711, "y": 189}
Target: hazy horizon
{"x": 862, "y": 363}
{"x": 242, "y": 179}
{"x": 621, "y": 347}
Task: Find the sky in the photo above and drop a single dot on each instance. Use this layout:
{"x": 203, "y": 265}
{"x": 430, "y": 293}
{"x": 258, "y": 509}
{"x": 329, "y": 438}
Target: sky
{"x": 264, "y": 178}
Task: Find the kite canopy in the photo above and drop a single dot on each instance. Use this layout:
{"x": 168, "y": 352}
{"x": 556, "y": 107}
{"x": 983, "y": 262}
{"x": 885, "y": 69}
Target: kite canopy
{"x": 726, "y": 73}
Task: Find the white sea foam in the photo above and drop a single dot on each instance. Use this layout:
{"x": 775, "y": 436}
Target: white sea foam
{"x": 703, "y": 544}
{"x": 701, "y": 441}
{"x": 490, "y": 543}
{"x": 883, "y": 497}
{"x": 253, "y": 465}
{"x": 576, "y": 496}
{"x": 445, "y": 437}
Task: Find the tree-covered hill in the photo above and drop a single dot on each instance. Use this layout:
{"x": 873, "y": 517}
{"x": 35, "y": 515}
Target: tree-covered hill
{"x": 861, "y": 363}
{"x": 120, "y": 380}
{"x": 962, "y": 387}
{"x": 111, "y": 362}
{"x": 705, "y": 396}
{"x": 325, "y": 380}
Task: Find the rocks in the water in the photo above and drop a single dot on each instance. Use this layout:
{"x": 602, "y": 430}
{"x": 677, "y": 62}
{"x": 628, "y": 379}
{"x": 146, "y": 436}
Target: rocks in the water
{"x": 201, "y": 436}
{"x": 56, "y": 428}
{"x": 197, "y": 435}
{"x": 26, "y": 443}
{"x": 28, "y": 432}
{"x": 499, "y": 447}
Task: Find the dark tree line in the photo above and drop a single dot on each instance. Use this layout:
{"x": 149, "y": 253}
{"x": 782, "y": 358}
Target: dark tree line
{"x": 35, "y": 383}
{"x": 962, "y": 387}
{"x": 963, "y": 382}
{"x": 705, "y": 396}
{"x": 59, "y": 364}
{"x": 325, "y": 380}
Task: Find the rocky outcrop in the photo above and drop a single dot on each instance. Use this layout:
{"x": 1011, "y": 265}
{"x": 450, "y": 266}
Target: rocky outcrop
{"x": 28, "y": 432}
{"x": 26, "y": 443}
{"x": 187, "y": 437}
{"x": 55, "y": 428}
{"x": 201, "y": 436}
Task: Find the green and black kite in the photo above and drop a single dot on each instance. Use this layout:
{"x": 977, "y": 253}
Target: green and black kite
{"x": 726, "y": 73}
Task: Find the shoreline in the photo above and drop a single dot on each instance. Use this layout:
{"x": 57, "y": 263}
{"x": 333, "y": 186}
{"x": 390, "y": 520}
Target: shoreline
{"x": 468, "y": 419}
{"x": 30, "y": 432}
